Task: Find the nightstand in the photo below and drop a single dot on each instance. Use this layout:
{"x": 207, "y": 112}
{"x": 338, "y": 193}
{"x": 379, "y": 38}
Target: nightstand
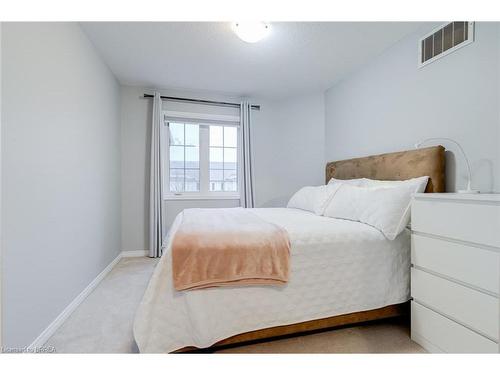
{"x": 455, "y": 272}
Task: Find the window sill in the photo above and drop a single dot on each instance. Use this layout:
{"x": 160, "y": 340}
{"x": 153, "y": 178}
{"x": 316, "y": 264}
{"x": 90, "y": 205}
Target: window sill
{"x": 200, "y": 197}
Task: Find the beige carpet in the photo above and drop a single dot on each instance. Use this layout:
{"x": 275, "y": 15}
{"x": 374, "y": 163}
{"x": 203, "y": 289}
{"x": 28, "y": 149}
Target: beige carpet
{"x": 103, "y": 324}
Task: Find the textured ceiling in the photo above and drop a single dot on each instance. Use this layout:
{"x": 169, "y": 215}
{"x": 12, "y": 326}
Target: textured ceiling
{"x": 296, "y": 57}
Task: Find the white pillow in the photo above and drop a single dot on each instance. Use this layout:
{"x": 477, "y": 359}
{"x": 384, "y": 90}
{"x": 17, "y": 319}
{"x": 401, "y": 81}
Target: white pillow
{"x": 313, "y": 198}
{"x": 385, "y": 208}
{"x": 354, "y": 181}
{"x": 419, "y": 183}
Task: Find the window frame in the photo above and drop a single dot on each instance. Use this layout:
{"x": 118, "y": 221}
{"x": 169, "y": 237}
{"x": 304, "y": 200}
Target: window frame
{"x": 204, "y": 121}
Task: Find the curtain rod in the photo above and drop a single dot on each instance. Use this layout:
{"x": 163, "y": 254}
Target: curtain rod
{"x": 201, "y": 101}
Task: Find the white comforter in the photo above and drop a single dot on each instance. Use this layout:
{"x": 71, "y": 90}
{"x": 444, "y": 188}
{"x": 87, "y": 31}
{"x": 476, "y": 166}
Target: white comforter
{"x": 337, "y": 267}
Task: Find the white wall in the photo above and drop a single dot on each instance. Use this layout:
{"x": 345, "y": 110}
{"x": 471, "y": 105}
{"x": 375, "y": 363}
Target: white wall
{"x": 390, "y": 104}
{"x": 61, "y": 172}
{"x": 288, "y": 147}
{"x": 135, "y": 141}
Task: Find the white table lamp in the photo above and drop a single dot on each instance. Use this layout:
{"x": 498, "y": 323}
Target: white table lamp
{"x": 468, "y": 190}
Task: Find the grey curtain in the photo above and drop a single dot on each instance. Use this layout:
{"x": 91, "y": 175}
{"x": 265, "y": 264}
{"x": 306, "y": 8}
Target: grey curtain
{"x": 247, "y": 197}
{"x": 156, "y": 219}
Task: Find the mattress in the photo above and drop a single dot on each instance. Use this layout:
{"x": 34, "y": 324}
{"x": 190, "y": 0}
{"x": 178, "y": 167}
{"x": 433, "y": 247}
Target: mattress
{"x": 337, "y": 267}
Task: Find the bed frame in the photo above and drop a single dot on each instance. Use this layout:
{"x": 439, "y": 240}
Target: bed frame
{"x": 392, "y": 166}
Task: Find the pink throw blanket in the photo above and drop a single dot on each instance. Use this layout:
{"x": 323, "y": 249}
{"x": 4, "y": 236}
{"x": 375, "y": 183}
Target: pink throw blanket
{"x": 227, "y": 247}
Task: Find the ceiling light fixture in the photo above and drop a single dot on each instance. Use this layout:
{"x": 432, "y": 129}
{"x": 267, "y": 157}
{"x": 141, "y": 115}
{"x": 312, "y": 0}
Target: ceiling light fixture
{"x": 251, "y": 32}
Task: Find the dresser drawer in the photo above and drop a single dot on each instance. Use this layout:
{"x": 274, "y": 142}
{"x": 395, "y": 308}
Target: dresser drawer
{"x": 470, "y": 307}
{"x": 471, "y": 265}
{"x": 473, "y": 222}
{"x": 428, "y": 326}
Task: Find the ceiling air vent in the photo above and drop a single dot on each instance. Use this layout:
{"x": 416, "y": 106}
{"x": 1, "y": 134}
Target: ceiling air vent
{"x": 444, "y": 40}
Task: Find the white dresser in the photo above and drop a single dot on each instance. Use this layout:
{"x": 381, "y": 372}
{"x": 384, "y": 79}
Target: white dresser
{"x": 455, "y": 274}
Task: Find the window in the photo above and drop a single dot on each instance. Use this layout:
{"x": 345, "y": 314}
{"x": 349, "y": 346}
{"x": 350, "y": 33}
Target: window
{"x": 202, "y": 159}
{"x": 223, "y": 142}
{"x": 184, "y": 157}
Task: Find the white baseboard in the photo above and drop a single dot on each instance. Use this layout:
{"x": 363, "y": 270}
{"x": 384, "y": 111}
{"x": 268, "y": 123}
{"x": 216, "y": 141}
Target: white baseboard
{"x": 49, "y": 331}
{"x": 135, "y": 253}
{"x": 61, "y": 318}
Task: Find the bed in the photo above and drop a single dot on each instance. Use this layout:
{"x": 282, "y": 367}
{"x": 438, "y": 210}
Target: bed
{"x": 342, "y": 272}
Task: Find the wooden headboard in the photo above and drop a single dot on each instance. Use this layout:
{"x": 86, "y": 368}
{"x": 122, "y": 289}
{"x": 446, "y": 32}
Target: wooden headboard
{"x": 402, "y": 165}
